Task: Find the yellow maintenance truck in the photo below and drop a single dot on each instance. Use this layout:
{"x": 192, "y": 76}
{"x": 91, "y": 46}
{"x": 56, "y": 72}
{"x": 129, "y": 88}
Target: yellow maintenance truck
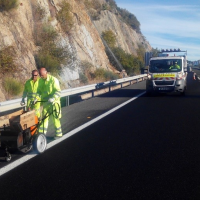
{"x": 167, "y": 72}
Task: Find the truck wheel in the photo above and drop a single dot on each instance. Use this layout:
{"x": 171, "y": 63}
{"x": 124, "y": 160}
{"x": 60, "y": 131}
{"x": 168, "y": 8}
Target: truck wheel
{"x": 183, "y": 93}
{"x": 39, "y": 143}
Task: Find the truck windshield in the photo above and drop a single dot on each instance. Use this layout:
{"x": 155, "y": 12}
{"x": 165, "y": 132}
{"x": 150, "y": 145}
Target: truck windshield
{"x": 165, "y": 65}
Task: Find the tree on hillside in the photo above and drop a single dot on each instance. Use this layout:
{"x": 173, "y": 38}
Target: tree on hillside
{"x": 6, "y": 5}
{"x": 112, "y": 3}
{"x": 109, "y": 37}
{"x": 129, "y": 62}
{"x": 129, "y": 19}
{"x": 141, "y": 53}
{"x": 155, "y": 52}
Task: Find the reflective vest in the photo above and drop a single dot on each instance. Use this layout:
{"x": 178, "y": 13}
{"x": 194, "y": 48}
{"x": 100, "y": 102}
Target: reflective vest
{"x": 175, "y": 67}
{"x": 50, "y": 88}
{"x": 31, "y": 90}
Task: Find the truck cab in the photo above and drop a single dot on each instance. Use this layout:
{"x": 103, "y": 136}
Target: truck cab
{"x": 167, "y": 73}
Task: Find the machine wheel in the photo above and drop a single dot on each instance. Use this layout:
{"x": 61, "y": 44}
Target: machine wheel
{"x": 7, "y": 157}
{"x": 39, "y": 143}
{"x": 183, "y": 93}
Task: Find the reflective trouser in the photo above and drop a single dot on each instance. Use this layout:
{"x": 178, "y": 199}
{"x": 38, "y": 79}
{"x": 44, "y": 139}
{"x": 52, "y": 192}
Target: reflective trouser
{"x": 44, "y": 125}
{"x": 35, "y": 107}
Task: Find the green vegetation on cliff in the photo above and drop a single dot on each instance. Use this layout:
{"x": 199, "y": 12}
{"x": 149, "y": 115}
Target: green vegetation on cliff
{"x": 50, "y": 55}
{"x": 65, "y": 17}
{"x": 7, "y": 64}
{"x": 95, "y": 8}
{"x": 12, "y": 87}
{"x": 6, "y": 5}
{"x": 109, "y": 37}
{"x": 132, "y": 64}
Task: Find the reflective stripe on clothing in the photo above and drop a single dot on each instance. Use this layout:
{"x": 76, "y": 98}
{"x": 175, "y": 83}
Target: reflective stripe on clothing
{"x": 42, "y": 129}
{"x": 44, "y": 125}
{"x": 58, "y": 131}
{"x": 31, "y": 88}
{"x": 57, "y": 94}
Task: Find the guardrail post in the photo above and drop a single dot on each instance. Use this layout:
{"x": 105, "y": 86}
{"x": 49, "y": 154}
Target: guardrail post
{"x": 67, "y": 99}
{"x": 92, "y": 93}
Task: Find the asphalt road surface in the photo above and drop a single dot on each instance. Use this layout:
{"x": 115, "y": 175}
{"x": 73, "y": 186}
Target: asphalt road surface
{"x": 147, "y": 149}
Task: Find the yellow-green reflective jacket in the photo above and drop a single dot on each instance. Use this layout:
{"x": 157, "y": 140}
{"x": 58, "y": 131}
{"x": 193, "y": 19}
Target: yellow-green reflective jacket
{"x": 31, "y": 89}
{"x": 175, "y": 67}
{"x": 50, "y": 89}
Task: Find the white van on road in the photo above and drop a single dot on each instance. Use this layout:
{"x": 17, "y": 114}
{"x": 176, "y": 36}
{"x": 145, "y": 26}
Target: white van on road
{"x": 167, "y": 73}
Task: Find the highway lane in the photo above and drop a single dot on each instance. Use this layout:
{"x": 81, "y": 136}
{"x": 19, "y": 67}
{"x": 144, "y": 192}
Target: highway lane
{"x": 80, "y": 113}
{"x": 148, "y": 149}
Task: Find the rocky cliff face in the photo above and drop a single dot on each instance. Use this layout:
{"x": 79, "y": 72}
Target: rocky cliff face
{"x": 127, "y": 38}
{"x": 17, "y": 29}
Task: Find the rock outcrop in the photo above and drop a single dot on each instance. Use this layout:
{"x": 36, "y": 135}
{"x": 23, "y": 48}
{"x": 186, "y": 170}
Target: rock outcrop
{"x": 17, "y": 29}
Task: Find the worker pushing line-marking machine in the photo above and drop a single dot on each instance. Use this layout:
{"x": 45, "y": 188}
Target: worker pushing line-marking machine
{"x": 19, "y": 131}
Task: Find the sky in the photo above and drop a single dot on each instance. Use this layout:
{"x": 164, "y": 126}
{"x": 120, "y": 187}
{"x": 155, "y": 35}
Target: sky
{"x": 169, "y": 24}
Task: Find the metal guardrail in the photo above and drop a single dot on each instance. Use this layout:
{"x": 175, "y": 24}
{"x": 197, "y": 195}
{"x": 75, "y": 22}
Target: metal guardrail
{"x": 14, "y": 104}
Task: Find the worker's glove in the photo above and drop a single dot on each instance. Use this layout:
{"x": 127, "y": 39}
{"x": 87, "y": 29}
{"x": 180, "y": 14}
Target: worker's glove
{"x": 35, "y": 101}
{"x": 51, "y": 100}
{"x": 22, "y": 103}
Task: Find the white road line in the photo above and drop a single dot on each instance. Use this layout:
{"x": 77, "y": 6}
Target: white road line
{"x": 29, "y": 156}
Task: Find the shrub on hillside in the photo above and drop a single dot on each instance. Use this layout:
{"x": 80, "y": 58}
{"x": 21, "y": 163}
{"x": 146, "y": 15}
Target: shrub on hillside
{"x": 12, "y": 87}
{"x": 141, "y": 54}
{"x": 111, "y": 5}
{"x": 6, "y": 5}
{"x": 87, "y": 69}
{"x": 92, "y": 4}
{"x": 129, "y": 19}
{"x": 38, "y": 12}
{"x": 48, "y": 34}
{"x": 104, "y": 75}
{"x": 48, "y": 61}
{"x": 129, "y": 62}
{"x": 99, "y": 73}
{"x": 65, "y": 17}
{"x": 45, "y": 34}
{"x": 110, "y": 76}
{"x": 50, "y": 54}
{"x": 7, "y": 64}
{"x": 109, "y": 37}
{"x": 83, "y": 79}
{"x": 94, "y": 8}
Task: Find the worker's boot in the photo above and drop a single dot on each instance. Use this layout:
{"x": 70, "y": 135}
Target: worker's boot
{"x": 57, "y": 136}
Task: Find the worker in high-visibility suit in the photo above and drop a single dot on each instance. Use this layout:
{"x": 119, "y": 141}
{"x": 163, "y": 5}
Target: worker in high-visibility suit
{"x": 50, "y": 97}
{"x": 175, "y": 66}
{"x": 31, "y": 92}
